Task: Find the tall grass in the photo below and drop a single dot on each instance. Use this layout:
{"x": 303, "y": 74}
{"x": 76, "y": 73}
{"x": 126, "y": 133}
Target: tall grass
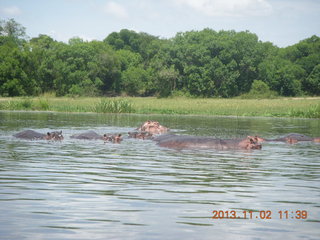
{"x": 22, "y": 104}
{"x": 44, "y": 104}
{"x": 311, "y": 112}
{"x": 113, "y": 106}
{"x": 280, "y": 107}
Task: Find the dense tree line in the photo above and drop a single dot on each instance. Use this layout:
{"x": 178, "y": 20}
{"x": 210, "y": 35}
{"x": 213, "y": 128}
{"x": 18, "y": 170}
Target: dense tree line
{"x": 197, "y": 63}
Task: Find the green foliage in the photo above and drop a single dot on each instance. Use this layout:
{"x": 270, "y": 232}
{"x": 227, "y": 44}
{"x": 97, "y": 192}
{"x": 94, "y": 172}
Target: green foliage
{"x": 135, "y": 81}
{"x": 44, "y": 104}
{"x": 283, "y": 107}
{"x": 167, "y": 81}
{"x": 203, "y": 63}
{"x": 311, "y": 112}
{"x": 259, "y": 90}
{"x": 312, "y": 83}
{"x": 23, "y": 104}
{"x": 13, "y": 30}
{"x": 27, "y": 103}
{"x": 282, "y": 76}
{"x": 113, "y": 106}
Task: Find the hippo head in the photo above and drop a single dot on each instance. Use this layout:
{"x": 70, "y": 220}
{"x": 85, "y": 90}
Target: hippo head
{"x": 250, "y": 143}
{"x": 291, "y": 140}
{"x": 107, "y": 138}
{"x": 133, "y": 134}
{"x": 116, "y": 138}
{"x": 316, "y": 140}
{"x": 55, "y": 136}
{"x": 257, "y": 139}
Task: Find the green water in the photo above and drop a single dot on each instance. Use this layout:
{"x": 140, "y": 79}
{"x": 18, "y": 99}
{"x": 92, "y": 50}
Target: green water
{"x": 77, "y": 189}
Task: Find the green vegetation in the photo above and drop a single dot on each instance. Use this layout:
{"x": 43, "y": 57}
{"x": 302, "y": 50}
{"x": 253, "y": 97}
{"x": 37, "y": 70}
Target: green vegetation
{"x": 259, "y": 90}
{"x": 203, "y": 63}
{"x": 280, "y": 107}
{"x": 113, "y": 106}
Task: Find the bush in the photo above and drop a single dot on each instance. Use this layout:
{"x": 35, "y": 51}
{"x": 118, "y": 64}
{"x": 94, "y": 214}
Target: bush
{"x": 44, "y": 104}
{"x": 260, "y": 89}
{"x": 26, "y": 103}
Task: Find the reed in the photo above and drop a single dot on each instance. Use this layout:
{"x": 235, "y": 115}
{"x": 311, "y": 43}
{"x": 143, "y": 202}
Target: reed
{"x": 113, "y": 106}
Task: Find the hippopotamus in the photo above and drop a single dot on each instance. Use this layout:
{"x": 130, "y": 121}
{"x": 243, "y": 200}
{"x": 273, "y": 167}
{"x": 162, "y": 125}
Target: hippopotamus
{"x": 290, "y": 138}
{"x": 33, "y": 135}
{"x": 115, "y": 138}
{"x": 92, "y": 135}
{"x": 140, "y": 135}
{"x": 195, "y": 142}
{"x": 88, "y": 135}
{"x": 152, "y": 127}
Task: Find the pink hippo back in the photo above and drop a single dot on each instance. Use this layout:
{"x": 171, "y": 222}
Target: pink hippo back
{"x": 152, "y": 127}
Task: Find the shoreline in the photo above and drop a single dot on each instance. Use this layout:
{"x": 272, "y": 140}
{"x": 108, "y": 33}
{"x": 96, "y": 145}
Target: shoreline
{"x": 160, "y": 114}
{"x": 212, "y": 107}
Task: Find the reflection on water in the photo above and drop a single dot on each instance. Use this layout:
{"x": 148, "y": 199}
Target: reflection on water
{"x": 79, "y": 189}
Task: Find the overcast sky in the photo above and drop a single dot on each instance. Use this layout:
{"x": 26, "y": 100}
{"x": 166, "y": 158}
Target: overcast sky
{"x": 282, "y": 22}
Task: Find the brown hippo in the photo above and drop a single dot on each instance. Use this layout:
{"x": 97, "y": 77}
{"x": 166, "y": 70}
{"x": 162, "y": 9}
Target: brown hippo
{"x": 88, "y": 135}
{"x": 115, "y": 138}
{"x": 290, "y": 138}
{"x": 152, "y": 127}
{"x": 194, "y": 142}
{"x": 140, "y": 135}
{"x": 33, "y": 135}
{"x": 92, "y": 135}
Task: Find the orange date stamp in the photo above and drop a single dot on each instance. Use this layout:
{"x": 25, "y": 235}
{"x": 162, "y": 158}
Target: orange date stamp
{"x": 263, "y": 214}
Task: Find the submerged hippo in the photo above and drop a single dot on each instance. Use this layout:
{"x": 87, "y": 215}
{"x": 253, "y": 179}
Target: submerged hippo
{"x": 290, "y": 138}
{"x": 140, "y": 135}
{"x": 114, "y": 138}
{"x": 33, "y": 135}
{"x": 88, "y": 135}
{"x": 194, "y": 142}
{"x": 92, "y": 135}
{"x": 152, "y": 127}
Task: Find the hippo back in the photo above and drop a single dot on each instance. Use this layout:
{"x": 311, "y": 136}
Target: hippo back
{"x": 294, "y": 136}
{"x": 29, "y": 134}
{"x": 89, "y": 135}
{"x": 195, "y": 142}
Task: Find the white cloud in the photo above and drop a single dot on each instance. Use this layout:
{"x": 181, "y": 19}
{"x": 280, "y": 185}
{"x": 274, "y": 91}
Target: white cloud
{"x": 229, "y": 7}
{"x": 116, "y": 10}
{"x": 11, "y": 11}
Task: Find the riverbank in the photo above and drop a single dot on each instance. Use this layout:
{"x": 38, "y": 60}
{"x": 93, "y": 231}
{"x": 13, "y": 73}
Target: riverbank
{"x": 281, "y": 107}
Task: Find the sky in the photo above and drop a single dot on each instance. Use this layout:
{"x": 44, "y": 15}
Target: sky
{"x": 282, "y": 22}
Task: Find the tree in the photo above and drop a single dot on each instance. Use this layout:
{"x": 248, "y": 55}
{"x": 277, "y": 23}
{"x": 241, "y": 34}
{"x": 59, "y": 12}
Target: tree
{"x": 312, "y": 83}
{"x": 12, "y": 29}
{"x": 282, "y": 76}
{"x": 14, "y": 80}
{"x": 135, "y": 81}
{"x": 166, "y": 81}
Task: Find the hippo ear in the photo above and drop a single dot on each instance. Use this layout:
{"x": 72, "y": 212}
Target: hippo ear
{"x": 104, "y": 135}
{"x": 48, "y": 134}
{"x": 119, "y": 135}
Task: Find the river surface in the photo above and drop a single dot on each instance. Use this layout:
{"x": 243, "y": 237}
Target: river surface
{"x": 77, "y": 189}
